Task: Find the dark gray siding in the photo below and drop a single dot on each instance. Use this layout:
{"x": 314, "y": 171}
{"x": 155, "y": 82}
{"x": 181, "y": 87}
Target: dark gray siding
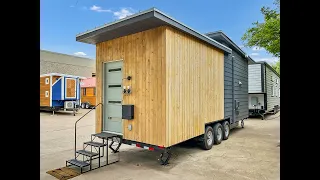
{"x": 227, "y": 87}
{"x": 240, "y": 92}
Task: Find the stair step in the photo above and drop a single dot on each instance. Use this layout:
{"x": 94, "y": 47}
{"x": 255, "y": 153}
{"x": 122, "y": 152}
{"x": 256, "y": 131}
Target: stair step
{"x": 95, "y": 144}
{"x": 87, "y": 153}
{"x": 78, "y": 163}
{"x": 105, "y": 135}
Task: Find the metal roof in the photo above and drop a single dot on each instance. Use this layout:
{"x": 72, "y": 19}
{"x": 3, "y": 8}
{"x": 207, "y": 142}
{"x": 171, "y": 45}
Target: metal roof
{"x": 268, "y": 65}
{"x": 222, "y": 36}
{"x": 138, "y": 22}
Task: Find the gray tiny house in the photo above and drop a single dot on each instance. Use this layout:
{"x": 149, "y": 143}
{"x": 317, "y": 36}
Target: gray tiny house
{"x": 264, "y": 89}
{"x": 235, "y": 79}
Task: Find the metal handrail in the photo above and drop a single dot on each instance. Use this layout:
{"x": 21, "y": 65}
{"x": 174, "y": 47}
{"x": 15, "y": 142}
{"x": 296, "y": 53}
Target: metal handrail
{"x": 75, "y": 129}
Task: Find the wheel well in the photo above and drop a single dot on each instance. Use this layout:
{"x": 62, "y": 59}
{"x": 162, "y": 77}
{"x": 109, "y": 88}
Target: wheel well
{"x": 215, "y": 122}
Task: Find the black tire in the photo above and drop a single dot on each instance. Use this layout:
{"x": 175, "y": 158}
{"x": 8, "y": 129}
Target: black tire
{"x": 226, "y": 130}
{"x": 218, "y": 133}
{"x": 87, "y": 105}
{"x": 206, "y": 143}
{"x": 242, "y": 123}
{"x": 83, "y": 105}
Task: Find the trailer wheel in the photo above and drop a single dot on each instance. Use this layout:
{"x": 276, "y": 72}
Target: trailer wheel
{"x": 226, "y": 130}
{"x": 208, "y": 139}
{"x": 242, "y": 123}
{"x": 83, "y": 105}
{"x": 218, "y": 133}
{"x": 87, "y": 106}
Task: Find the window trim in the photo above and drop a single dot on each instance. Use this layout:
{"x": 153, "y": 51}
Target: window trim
{"x": 272, "y": 91}
{"x": 46, "y": 94}
{"x": 47, "y": 81}
{"x": 84, "y": 91}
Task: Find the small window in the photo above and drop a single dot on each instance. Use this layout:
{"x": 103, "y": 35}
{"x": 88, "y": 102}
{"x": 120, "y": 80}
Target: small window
{"x": 254, "y": 101}
{"x": 111, "y": 86}
{"x": 272, "y": 90}
{"x": 84, "y": 91}
{"x": 116, "y": 69}
{"x": 47, "y": 94}
{"x": 47, "y": 80}
{"x": 93, "y": 74}
{"x": 114, "y": 102}
{"x": 94, "y": 91}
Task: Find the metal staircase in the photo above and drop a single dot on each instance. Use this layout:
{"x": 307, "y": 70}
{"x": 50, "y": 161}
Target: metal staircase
{"x": 93, "y": 152}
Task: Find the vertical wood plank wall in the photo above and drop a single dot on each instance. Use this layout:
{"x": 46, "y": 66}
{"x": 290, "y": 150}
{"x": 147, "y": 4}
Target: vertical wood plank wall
{"x": 143, "y": 57}
{"x": 195, "y": 86}
{"x": 71, "y": 88}
{"x": 44, "y": 101}
{"x": 177, "y": 84}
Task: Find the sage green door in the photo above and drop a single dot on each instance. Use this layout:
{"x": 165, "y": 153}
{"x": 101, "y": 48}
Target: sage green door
{"x": 113, "y": 97}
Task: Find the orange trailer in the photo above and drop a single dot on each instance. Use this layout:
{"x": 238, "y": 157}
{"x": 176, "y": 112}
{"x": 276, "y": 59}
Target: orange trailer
{"x": 88, "y": 93}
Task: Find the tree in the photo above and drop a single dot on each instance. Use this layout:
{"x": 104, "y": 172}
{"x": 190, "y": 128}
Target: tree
{"x": 266, "y": 34}
{"x": 276, "y": 66}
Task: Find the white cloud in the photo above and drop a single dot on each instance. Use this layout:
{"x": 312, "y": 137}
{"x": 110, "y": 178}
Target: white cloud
{"x": 124, "y": 12}
{"x": 269, "y": 60}
{"x": 254, "y": 54}
{"x": 241, "y": 46}
{"x": 99, "y": 9}
{"x": 80, "y": 54}
{"x": 255, "y": 48}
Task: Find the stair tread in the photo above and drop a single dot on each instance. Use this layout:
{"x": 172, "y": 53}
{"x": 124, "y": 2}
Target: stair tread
{"x": 87, "y": 153}
{"x": 78, "y": 163}
{"x": 93, "y": 143}
{"x": 104, "y": 135}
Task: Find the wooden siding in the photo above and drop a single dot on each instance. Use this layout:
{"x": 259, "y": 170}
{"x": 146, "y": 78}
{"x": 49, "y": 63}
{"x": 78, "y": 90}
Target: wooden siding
{"x": 89, "y": 96}
{"x": 195, "y": 86}
{"x": 44, "y": 101}
{"x": 272, "y": 100}
{"x": 71, "y": 86}
{"x": 255, "y": 78}
{"x": 143, "y": 57}
{"x": 55, "y": 78}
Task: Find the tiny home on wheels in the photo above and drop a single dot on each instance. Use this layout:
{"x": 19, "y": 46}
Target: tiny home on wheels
{"x": 264, "y": 89}
{"x": 159, "y": 83}
{"x": 59, "y": 92}
{"x": 235, "y": 79}
{"x": 88, "y": 93}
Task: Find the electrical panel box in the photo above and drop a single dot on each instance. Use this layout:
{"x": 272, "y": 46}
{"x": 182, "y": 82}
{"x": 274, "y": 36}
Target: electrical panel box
{"x": 128, "y": 111}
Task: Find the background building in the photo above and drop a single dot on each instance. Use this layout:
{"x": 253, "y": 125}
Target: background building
{"x": 52, "y": 62}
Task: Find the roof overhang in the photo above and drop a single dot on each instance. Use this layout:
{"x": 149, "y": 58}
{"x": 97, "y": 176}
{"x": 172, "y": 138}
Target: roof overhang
{"x": 59, "y": 74}
{"x": 221, "y": 37}
{"x": 268, "y": 65}
{"x": 138, "y": 22}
